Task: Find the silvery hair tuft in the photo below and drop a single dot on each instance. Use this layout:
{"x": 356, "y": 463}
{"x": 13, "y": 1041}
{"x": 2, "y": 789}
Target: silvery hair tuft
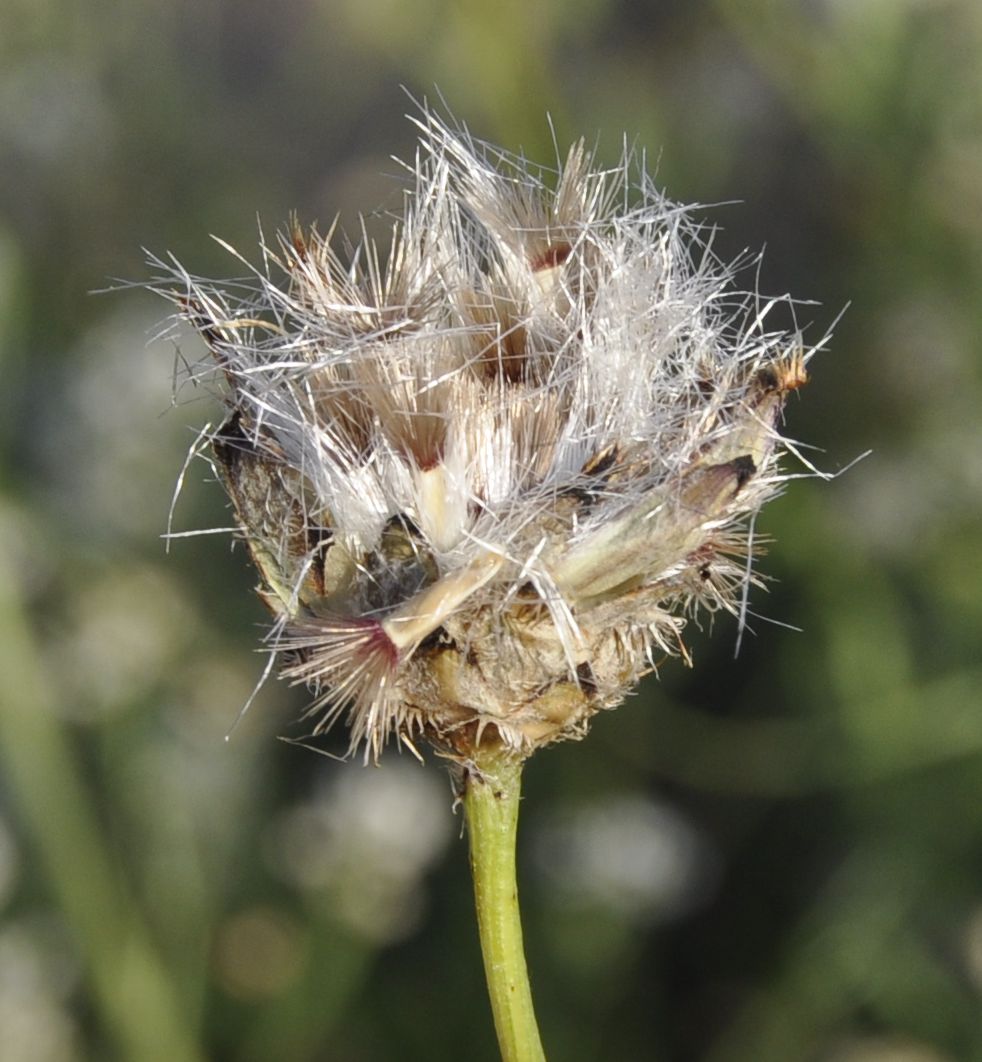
{"x": 486, "y": 474}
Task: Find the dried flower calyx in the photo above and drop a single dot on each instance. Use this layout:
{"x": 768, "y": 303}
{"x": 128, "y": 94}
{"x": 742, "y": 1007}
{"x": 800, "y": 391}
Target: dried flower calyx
{"x": 485, "y": 477}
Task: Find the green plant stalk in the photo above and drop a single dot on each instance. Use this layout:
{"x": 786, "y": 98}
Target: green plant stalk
{"x": 133, "y": 990}
{"x": 491, "y": 796}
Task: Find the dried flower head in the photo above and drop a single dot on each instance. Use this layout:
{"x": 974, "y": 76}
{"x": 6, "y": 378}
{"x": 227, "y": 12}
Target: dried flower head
{"x": 485, "y": 476}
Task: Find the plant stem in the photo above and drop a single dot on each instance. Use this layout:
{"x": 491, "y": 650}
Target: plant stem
{"x": 491, "y": 798}
{"x": 133, "y": 991}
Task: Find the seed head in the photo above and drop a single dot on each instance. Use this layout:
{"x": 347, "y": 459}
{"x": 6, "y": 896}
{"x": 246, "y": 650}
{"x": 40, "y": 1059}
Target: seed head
{"x": 485, "y": 476}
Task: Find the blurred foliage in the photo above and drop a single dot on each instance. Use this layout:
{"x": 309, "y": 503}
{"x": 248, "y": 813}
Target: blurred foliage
{"x": 771, "y": 858}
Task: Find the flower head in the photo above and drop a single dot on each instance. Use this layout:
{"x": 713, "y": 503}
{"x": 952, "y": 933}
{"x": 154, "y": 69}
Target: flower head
{"x": 485, "y": 476}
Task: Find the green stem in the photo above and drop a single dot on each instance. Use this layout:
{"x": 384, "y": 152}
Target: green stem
{"x": 491, "y": 798}
{"x": 131, "y": 985}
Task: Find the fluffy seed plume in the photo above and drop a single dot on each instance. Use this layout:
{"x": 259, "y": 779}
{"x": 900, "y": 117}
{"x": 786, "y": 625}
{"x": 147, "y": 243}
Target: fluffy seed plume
{"x": 486, "y": 474}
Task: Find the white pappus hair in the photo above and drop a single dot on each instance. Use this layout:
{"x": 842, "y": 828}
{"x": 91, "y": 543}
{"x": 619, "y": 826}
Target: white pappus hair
{"x": 485, "y": 475}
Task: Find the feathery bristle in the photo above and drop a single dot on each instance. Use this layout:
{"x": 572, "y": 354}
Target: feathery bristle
{"x": 512, "y": 450}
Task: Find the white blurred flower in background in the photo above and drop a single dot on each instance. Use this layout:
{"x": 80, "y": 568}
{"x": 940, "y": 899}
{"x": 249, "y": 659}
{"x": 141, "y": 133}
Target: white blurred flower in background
{"x": 363, "y": 845}
{"x": 640, "y": 859}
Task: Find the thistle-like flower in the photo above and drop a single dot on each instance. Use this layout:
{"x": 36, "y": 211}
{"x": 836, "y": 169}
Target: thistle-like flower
{"x": 486, "y": 475}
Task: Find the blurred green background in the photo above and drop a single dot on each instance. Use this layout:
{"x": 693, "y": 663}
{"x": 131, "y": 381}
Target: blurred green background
{"x": 768, "y": 859}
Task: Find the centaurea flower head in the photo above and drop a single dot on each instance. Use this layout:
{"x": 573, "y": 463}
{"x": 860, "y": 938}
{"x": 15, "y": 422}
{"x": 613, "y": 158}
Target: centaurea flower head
{"x": 486, "y": 475}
